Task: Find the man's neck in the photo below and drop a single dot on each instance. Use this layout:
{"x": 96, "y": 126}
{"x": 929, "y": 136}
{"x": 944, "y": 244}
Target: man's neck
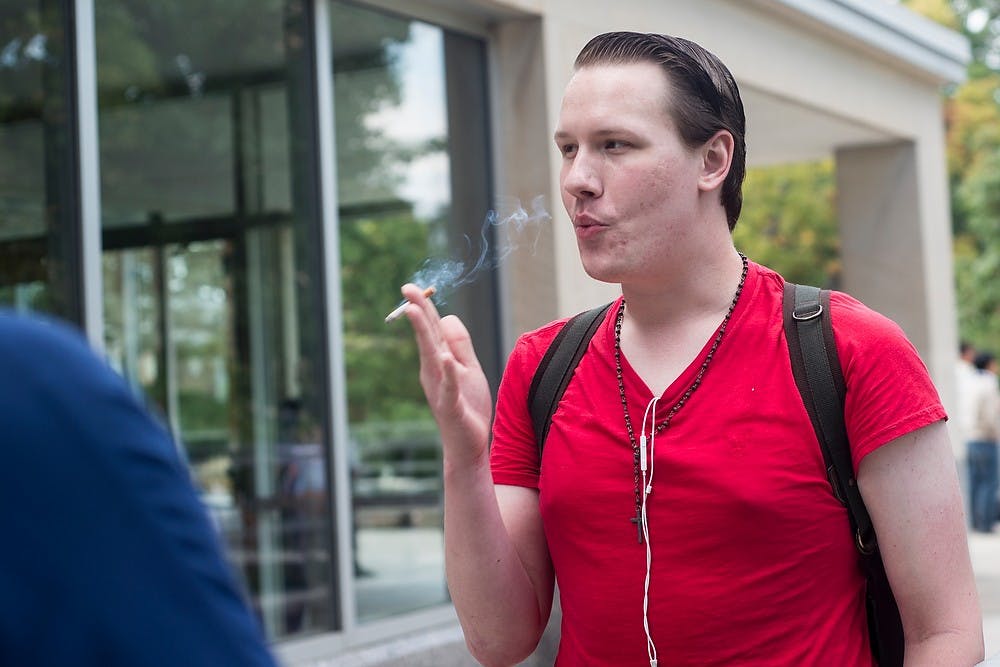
{"x": 663, "y": 330}
{"x": 690, "y": 290}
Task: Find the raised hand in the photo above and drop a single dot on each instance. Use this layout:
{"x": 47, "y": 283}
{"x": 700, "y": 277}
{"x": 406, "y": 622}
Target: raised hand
{"x": 453, "y": 381}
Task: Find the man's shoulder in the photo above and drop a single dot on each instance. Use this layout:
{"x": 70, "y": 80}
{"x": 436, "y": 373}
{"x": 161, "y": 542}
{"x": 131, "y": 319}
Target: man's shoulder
{"x": 531, "y": 347}
{"x": 22, "y": 334}
{"x": 855, "y": 324}
{"x": 852, "y": 317}
{"x": 537, "y": 341}
{"x": 546, "y": 332}
{"x": 41, "y": 356}
{"x": 533, "y": 344}
{"x": 869, "y": 339}
{"x": 847, "y": 311}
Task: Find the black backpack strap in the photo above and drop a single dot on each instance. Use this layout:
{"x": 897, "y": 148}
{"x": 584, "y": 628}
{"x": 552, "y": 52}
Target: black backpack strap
{"x": 817, "y": 371}
{"x": 556, "y": 368}
{"x": 820, "y": 380}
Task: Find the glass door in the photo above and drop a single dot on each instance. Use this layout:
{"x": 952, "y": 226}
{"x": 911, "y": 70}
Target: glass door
{"x": 212, "y": 274}
{"x": 39, "y": 243}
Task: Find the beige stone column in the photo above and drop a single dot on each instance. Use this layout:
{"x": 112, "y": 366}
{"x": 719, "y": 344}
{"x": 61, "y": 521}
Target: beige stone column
{"x": 892, "y": 203}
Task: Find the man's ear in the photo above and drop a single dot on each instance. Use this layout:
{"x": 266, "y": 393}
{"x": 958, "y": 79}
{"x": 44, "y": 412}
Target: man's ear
{"x": 716, "y": 159}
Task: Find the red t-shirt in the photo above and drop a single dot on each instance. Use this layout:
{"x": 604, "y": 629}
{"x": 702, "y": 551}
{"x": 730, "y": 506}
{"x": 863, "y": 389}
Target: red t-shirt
{"x": 752, "y": 556}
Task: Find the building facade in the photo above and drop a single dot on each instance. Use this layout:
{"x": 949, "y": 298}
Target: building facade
{"x": 226, "y": 197}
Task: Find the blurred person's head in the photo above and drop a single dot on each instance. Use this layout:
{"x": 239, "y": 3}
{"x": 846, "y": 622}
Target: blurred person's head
{"x": 985, "y": 361}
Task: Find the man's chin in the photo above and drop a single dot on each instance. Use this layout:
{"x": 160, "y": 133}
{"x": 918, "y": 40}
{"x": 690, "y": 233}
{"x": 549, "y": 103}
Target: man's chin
{"x": 601, "y": 272}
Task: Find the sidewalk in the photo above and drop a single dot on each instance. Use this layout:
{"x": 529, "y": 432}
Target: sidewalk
{"x": 985, "y": 550}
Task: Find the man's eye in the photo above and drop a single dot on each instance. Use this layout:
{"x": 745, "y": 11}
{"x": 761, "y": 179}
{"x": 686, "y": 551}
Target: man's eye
{"x": 568, "y": 150}
{"x": 615, "y": 144}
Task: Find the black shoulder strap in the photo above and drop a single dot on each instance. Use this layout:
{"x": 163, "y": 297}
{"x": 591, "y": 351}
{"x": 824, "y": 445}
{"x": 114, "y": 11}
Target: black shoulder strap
{"x": 556, "y": 368}
{"x": 819, "y": 377}
{"x": 820, "y": 380}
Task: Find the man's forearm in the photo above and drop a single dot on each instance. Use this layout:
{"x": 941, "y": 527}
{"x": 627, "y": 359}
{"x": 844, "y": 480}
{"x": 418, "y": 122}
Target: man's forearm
{"x": 497, "y": 599}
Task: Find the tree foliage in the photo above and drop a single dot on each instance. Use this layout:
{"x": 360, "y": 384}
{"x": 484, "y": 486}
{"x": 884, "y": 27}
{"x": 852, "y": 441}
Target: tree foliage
{"x": 972, "y": 113}
{"x": 378, "y": 254}
{"x": 939, "y": 11}
{"x": 788, "y": 222}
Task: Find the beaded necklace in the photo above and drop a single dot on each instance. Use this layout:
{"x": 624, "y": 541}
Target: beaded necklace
{"x": 683, "y": 399}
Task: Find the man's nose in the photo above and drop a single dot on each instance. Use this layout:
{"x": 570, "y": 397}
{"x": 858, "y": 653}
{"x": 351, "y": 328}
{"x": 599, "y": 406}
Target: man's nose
{"x": 581, "y": 177}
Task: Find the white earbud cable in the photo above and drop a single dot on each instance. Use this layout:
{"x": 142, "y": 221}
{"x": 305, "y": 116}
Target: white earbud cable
{"x": 647, "y": 488}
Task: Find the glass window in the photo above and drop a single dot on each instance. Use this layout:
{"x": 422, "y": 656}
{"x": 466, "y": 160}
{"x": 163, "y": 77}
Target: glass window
{"x": 413, "y": 191}
{"x": 38, "y": 157}
{"x": 212, "y": 276}
{"x": 213, "y": 300}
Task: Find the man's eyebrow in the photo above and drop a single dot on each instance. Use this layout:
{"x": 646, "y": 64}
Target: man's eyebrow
{"x": 606, "y": 132}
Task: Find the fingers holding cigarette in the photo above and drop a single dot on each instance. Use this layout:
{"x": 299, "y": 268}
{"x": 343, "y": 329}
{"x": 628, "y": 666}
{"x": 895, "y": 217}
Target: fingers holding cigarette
{"x": 398, "y": 312}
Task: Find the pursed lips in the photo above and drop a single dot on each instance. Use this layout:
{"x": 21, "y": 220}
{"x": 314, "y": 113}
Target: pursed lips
{"x": 587, "y": 226}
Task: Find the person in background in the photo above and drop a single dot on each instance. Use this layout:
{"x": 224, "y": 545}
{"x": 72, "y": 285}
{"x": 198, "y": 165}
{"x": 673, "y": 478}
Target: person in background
{"x": 965, "y": 382}
{"x": 984, "y": 435}
{"x": 743, "y": 555}
{"x": 110, "y": 558}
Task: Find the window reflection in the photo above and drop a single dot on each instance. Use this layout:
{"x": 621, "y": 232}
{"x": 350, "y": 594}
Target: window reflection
{"x": 397, "y": 207}
{"x": 212, "y": 275}
{"x": 211, "y": 263}
{"x": 37, "y": 161}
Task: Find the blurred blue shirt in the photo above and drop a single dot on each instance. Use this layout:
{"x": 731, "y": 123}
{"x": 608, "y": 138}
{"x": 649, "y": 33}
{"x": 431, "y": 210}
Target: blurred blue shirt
{"x": 108, "y": 557}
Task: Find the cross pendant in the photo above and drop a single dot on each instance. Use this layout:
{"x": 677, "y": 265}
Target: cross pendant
{"x": 638, "y": 522}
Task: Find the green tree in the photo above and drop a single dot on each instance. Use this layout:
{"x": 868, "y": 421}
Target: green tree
{"x": 977, "y": 251}
{"x": 788, "y": 222}
{"x": 979, "y": 21}
{"x": 378, "y": 254}
{"x": 973, "y": 121}
{"x": 940, "y": 11}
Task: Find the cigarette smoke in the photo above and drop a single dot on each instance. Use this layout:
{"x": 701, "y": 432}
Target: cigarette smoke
{"x": 512, "y": 226}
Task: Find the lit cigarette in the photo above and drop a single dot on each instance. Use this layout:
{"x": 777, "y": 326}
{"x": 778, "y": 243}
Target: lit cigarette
{"x": 429, "y": 291}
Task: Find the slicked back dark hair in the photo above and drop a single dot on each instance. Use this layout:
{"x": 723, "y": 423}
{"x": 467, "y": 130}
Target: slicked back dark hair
{"x": 705, "y": 96}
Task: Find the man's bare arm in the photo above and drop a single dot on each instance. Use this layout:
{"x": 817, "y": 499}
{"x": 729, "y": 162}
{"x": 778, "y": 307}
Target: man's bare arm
{"x": 497, "y": 562}
{"x": 911, "y": 489}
